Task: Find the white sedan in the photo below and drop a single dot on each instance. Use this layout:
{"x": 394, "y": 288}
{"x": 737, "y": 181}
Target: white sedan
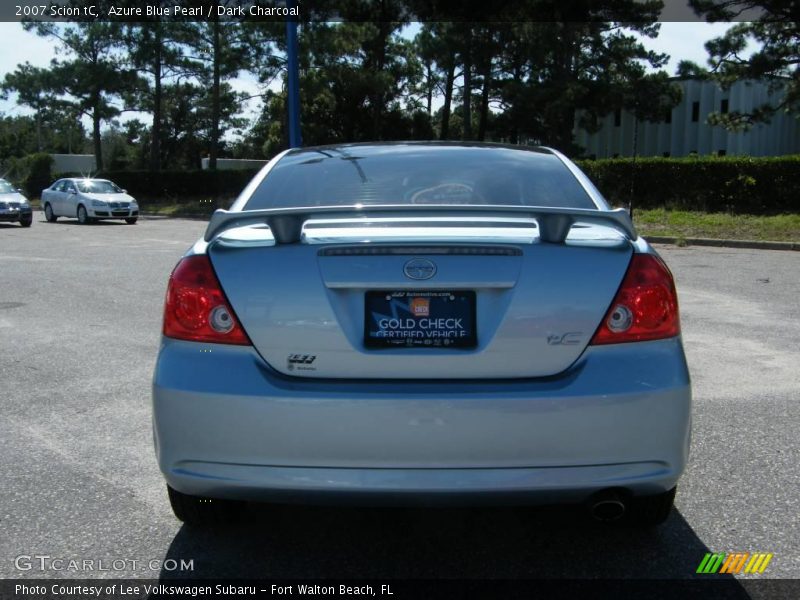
{"x": 88, "y": 200}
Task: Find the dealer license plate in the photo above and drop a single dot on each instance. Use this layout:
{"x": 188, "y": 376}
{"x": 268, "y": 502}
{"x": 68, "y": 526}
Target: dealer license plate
{"x": 432, "y": 319}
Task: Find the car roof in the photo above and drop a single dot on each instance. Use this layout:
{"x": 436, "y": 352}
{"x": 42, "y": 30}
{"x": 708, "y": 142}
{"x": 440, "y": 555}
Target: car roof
{"x": 85, "y": 179}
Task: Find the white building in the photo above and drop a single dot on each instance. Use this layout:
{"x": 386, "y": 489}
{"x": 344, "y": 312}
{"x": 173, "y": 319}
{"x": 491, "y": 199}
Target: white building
{"x": 684, "y": 130}
{"x": 74, "y": 163}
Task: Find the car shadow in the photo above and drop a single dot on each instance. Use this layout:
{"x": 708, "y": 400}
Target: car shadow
{"x": 92, "y": 224}
{"x": 285, "y": 542}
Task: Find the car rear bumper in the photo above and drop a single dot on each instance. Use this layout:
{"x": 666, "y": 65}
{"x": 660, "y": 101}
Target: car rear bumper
{"x": 545, "y": 485}
{"x": 227, "y": 426}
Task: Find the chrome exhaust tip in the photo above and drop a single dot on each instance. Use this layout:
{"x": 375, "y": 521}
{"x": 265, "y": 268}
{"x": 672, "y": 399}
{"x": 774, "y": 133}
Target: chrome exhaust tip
{"x": 607, "y": 507}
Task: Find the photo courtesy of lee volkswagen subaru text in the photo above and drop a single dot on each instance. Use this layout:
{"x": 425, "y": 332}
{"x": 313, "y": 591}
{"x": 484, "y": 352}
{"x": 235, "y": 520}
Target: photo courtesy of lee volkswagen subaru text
{"x": 421, "y": 322}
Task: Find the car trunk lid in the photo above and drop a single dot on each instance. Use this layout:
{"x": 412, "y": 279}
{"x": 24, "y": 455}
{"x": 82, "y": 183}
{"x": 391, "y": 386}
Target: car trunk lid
{"x": 309, "y": 307}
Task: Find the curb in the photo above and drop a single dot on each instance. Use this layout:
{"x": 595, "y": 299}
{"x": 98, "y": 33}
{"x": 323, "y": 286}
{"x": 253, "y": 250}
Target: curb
{"x": 157, "y": 216}
{"x": 752, "y": 244}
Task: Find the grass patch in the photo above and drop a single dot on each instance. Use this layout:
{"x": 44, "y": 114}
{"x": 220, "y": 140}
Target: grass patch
{"x": 685, "y": 224}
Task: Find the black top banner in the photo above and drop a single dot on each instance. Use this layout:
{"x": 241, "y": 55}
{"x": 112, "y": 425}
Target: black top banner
{"x": 642, "y": 11}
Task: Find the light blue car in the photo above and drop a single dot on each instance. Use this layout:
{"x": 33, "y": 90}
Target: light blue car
{"x": 422, "y": 322}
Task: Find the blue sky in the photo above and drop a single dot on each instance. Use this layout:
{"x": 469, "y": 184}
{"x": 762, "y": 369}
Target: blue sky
{"x": 682, "y": 41}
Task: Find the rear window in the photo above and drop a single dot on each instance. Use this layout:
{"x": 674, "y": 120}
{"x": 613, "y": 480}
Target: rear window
{"x": 419, "y": 175}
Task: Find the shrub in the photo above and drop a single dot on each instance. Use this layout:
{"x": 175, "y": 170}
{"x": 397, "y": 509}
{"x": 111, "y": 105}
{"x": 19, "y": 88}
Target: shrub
{"x": 177, "y": 186}
{"x": 32, "y": 173}
{"x": 727, "y": 184}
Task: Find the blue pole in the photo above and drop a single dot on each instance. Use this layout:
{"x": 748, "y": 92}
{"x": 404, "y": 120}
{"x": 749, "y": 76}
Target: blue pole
{"x": 293, "y": 100}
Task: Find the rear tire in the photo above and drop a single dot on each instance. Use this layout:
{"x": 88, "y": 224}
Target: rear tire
{"x": 649, "y": 511}
{"x": 131, "y": 220}
{"x": 48, "y": 213}
{"x": 204, "y": 512}
{"x": 26, "y": 221}
{"x": 83, "y": 216}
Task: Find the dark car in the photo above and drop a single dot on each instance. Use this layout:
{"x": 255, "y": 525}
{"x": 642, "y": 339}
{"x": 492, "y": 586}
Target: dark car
{"x": 14, "y": 207}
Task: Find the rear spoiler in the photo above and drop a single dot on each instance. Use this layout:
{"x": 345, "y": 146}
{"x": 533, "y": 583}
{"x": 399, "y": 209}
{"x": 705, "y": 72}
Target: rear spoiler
{"x": 286, "y": 224}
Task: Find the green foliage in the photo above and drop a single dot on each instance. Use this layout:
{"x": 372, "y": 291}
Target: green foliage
{"x": 32, "y": 172}
{"x": 730, "y": 184}
{"x": 17, "y": 137}
{"x": 34, "y": 87}
{"x": 548, "y": 71}
{"x": 49, "y": 130}
{"x": 776, "y": 32}
{"x": 358, "y": 81}
{"x": 54, "y": 125}
{"x": 176, "y": 186}
{"x": 688, "y": 69}
{"x": 154, "y": 52}
{"x": 517, "y": 81}
{"x": 755, "y": 186}
{"x": 125, "y": 145}
{"x": 88, "y": 75}
{"x": 219, "y": 51}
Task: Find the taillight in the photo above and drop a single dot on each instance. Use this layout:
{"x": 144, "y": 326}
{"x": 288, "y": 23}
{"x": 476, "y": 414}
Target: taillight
{"x": 646, "y": 305}
{"x": 196, "y": 308}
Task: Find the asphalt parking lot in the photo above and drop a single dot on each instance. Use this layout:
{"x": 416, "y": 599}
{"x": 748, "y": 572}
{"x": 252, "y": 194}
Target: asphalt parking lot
{"x": 80, "y": 312}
